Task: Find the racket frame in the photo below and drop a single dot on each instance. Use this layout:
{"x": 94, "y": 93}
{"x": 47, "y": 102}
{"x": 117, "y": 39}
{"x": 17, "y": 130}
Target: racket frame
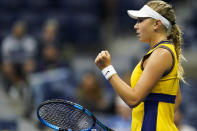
{"x": 77, "y": 106}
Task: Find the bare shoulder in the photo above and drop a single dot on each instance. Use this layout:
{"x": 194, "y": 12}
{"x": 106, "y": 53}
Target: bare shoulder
{"x": 162, "y": 53}
{"x": 160, "y": 58}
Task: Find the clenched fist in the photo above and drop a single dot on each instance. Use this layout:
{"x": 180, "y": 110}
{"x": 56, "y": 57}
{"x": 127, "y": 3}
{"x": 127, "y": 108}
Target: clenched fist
{"x": 103, "y": 60}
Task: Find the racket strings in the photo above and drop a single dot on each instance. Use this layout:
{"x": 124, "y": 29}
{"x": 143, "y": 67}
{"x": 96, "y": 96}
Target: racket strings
{"x": 65, "y": 116}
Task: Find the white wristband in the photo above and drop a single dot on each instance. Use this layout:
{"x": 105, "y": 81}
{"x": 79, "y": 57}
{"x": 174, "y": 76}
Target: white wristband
{"x": 108, "y": 72}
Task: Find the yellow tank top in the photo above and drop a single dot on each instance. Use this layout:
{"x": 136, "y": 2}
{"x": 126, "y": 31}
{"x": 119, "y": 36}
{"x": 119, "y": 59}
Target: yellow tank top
{"x": 156, "y": 112}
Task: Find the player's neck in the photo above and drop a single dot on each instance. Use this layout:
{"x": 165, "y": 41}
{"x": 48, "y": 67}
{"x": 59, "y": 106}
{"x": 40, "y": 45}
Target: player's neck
{"x": 156, "y": 39}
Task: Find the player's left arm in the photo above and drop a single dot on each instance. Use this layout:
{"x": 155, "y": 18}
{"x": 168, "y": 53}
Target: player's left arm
{"x": 178, "y": 99}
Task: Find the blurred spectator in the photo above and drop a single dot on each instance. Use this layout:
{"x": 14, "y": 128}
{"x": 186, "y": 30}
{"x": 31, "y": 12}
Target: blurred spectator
{"x": 49, "y": 54}
{"x": 122, "y": 109}
{"x": 18, "y": 52}
{"x": 122, "y": 119}
{"x": 50, "y": 32}
{"x": 178, "y": 119}
{"x": 52, "y": 71}
{"x": 49, "y": 36}
{"x": 50, "y": 59}
{"x": 53, "y": 78}
{"x": 91, "y": 94}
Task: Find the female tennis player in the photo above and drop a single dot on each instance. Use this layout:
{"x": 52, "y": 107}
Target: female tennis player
{"x": 154, "y": 93}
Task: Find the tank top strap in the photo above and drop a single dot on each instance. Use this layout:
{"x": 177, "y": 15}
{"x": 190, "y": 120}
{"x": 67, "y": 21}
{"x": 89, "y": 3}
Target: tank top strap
{"x": 162, "y": 42}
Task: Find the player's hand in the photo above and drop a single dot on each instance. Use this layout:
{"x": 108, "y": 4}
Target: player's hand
{"x": 103, "y": 60}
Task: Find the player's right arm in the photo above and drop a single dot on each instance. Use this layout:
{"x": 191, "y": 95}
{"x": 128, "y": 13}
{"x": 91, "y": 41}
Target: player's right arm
{"x": 158, "y": 63}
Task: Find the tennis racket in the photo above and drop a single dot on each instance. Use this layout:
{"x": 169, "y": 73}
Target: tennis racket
{"x": 64, "y": 115}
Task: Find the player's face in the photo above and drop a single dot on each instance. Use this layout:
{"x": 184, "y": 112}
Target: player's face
{"x": 144, "y": 29}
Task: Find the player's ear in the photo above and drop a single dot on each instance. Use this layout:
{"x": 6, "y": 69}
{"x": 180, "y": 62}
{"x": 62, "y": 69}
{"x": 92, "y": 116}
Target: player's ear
{"x": 157, "y": 24}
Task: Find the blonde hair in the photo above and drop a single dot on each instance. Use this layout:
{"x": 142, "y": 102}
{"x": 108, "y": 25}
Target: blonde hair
{"x": 167, "y": 11}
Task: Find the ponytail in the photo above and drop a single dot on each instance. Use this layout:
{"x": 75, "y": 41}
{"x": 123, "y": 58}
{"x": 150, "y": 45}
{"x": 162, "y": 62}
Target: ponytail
{"x": 176, "y": 37}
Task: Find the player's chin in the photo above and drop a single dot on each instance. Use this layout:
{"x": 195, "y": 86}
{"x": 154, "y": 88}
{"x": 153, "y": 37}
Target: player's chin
{"x": 142, "y": 40}
{"x": 139, "y": 37}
